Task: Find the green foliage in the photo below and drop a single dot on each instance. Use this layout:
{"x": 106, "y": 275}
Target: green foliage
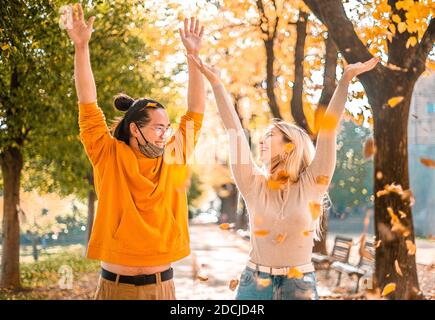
{"x": 352, "y": 187}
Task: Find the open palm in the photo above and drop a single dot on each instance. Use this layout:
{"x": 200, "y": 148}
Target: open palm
{"x": 191, "y": 36}
{"x": 355, "y": 69}
{"x": 79, "y": 31}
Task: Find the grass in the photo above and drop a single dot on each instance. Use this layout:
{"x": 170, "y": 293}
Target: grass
{"x": 37, "y": 276}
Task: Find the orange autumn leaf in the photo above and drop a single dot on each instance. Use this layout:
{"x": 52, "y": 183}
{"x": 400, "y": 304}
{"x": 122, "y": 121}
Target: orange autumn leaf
{"x": 329, "y": 122}
{"x": 274, "y": 185}
{"x": 261, "y": 233}
{"x": 306, "y": 233}
{"x": 202, "y": 277}
{"x": 323, "y": 180}
{"x": 369, "y": 148}
{"x": 224, "y": 226}
{"x": 295, "y": 273}
{"x": 289, "y": 147}
{"x": 395, "y": 101}
{"x": 378, "y": 244}
{"x": 263, "y": 282}
{"x": 397, "y": 267}
{"x": 315, "y": 208}
{"x": 388, "y": 289}
{"x": 411, "y": 247}
{"x": 233, "y": 284}
{"x": 402, "y": 214}
{"x": 280, "y": 238}
{"x": 381, "y": 193}
{"x": 428, "y": 162}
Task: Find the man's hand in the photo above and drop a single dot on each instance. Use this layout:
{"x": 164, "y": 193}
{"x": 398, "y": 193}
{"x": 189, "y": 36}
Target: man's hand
{"x": 191, "y": 36}
{"x": 79, "y": 31}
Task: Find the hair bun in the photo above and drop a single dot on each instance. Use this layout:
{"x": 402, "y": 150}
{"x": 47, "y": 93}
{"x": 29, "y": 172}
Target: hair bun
{"x": 123, "y": 102}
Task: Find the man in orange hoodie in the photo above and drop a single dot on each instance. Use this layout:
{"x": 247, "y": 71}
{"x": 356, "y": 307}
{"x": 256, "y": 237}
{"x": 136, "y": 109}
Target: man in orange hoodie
{"x": 141, "y": 224}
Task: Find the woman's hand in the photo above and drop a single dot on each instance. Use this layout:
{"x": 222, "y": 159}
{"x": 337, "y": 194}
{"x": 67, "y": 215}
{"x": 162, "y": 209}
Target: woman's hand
{"x": 212, "y": 74}
{"x": 79, "y": 31}
{"x": 355, "y": 69}
{"x": 192, "y": 36}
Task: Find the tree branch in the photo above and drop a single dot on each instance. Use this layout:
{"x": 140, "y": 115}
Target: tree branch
{"x": 425, "y": 46}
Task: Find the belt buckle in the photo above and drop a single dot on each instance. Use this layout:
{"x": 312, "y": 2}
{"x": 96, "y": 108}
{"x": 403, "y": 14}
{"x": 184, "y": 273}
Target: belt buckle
{"x": 139, "y": 280}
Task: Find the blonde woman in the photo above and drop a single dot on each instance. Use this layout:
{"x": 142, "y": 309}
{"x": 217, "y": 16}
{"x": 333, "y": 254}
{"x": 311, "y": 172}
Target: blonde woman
{"x": 284, "y": 197}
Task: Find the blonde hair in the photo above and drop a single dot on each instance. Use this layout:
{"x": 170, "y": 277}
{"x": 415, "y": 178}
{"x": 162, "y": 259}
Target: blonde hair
{"x": 296, "y": 161}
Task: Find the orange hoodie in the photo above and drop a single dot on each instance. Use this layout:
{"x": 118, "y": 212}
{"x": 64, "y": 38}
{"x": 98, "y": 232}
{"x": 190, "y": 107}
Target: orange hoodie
{"x": 141, "y": 217}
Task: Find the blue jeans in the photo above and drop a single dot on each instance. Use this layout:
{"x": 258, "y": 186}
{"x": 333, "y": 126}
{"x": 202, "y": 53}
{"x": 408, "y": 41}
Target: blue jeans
{"x": 278, "y": 288}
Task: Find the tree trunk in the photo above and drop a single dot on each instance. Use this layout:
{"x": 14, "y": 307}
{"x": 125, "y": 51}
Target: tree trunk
{"x": 12, "y": 164}
{"x": 391, "y": 160}
{"x": 296, "y": 104}
{"x": 229, "y": 204}
{"x": 270, "y": 78}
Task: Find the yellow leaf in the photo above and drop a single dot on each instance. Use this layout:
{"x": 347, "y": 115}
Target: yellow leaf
{"x": 411, "y": 247}
{"x": 261, "y": 233}
{"x": 233, "y": 284}
{"x": 369, "y": 148}
{"x": 224, "y": 226}
{"x": 396, "y": 18}
{"x": 392, "y": 28}
{"x": 263, "y": 282}
{"x": 306, "y": 233}
{"x": 412, "y": 41}
{"x": 202, "y": 277}
{"x": 401, "y": 26}
{"x": 381, "y": 193}
{"x": 280, "y": 238}
{"x": 395, "y": 101}
{"x": 398, "y": 270}
{"x": 314, "y": 209}
{"x": 295, "y": 273}
{"x": 428, "y": 162}
{"x": 274, "y": 185}
{"x": 289, "y": 147}
{"x": 388, "y": 289}
{"x": 5, "y": 46}
{"x": 323, "y": 180}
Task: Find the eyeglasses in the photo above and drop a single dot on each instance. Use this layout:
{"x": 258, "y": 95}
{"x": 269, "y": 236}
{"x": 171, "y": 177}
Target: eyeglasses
{"x": 162, "y": 131}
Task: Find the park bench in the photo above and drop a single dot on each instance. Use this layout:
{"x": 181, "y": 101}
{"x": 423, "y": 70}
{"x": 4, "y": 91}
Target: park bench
{"x": 364, "y": 267}
{"x": 340, "y": 252}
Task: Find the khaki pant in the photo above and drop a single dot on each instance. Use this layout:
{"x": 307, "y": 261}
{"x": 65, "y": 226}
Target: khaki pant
{"x": 113, "y": 290}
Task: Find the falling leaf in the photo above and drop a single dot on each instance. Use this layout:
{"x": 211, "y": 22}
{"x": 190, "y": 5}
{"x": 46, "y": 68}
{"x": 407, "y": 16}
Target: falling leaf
{"x": 398, "y": 270}
{"x": 233, "y": 284}
{"x": 379, "y": 175}
{"x": 263, "y": 282}
{"x": 323, "y": 180}
{"x": 428, "y": 162}
{"x": 315, "y": 208}
{"x": 280, "y": 238}
{"x": 395, "y": 101}
{"x": 294, "y": 273}
{"x": 289, "y": 147}
{"x": 411, "y": 247}
{"x": 402, "y": 214}
{"x": 258, "y": 220}
{"x": 388, "y": 289}
{"x": 378, "y": 244}
{"x": 201, "y": 277}
{"x": 306, "y": 233}
{"x": 274, "y": 185}
{"x": 224, "y": 226}
{"x": 261, "y": 233}
{"x": 369, "y": 148}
